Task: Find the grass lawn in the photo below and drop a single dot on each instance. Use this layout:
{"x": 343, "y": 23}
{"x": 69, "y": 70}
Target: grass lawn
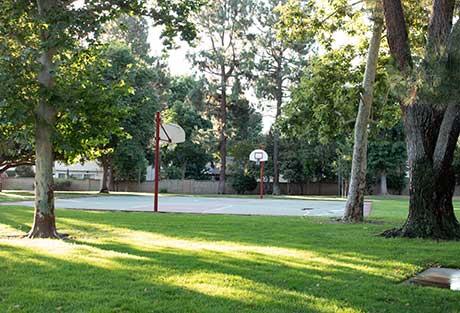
{"x": 142, "y": 262}
{"x": 19, "y": 195}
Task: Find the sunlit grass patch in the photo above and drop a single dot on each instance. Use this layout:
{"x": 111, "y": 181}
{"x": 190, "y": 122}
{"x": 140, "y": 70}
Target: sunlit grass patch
{"x": 140, "y": 262}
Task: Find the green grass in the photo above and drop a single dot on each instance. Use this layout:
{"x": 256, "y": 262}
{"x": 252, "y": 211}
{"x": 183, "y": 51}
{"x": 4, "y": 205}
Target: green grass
{"x": 19, "y": 195}
{"x": 140, "y": 262}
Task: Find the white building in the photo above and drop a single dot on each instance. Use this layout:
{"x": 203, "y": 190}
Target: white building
{"x": 88, "y": 170}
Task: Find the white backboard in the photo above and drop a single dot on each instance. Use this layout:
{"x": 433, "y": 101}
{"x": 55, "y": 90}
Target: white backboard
{"x": 258, "y": 155}
{"x": 172, "y": 133}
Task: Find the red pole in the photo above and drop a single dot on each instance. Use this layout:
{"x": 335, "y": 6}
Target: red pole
{"x": 157, "y": 160}
{"x": 262, "y": 179}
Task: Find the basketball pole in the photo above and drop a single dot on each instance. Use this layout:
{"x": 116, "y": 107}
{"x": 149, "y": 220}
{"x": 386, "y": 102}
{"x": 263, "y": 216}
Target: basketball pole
{"x": 157, "y": 160}
{"x": 262, "y": 179}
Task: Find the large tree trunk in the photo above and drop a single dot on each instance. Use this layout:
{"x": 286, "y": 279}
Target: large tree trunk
{"x": 44, "y": 225}
{"x": 105, "y": 162}
{"x": 44, "y": 220}
{"x": 223, "y": 132}
{"x": 432, "y": 121}
{"x": 431, "y": 179}
{"x": 355, "y": 200}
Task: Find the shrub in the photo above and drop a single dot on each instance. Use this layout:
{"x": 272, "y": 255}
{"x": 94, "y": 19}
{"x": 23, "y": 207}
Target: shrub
{"x": 163, "y": 190}
{"x": 62, "y": 184}
{"x": 24, "y": 171}
{"x": 173, "y": 172}
{"x": 11, "y": 173}
{"x": 243, "y": 183}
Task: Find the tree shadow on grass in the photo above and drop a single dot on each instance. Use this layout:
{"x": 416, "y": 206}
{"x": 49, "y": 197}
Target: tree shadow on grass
{"x": 178, "y": 280}
{"x": 357, "y": 241}
{"x": 338, "y": 267}
{"x": 74, "y": 286}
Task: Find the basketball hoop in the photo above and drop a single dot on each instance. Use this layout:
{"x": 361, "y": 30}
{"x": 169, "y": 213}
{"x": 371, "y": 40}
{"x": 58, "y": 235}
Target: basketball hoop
{"x": 168, "y": 133}
{"x": 171, "y": 133}
{"x": 260, "y": 157}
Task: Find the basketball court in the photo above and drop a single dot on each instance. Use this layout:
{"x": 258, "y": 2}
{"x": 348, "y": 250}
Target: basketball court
{"x": 203, "y": 205}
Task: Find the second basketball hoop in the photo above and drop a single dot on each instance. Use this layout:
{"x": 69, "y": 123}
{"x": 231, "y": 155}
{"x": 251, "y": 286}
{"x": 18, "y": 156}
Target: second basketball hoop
{"x": 260, "y": 157}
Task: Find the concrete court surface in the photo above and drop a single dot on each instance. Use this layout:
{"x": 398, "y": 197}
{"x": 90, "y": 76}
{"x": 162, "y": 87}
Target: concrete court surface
{"x": 221, "y": 205}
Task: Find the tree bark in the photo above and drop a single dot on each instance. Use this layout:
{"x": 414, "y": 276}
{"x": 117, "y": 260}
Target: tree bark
{"x": 105, "y": 162}
{"x": 432, "y": 122}
{"x": 111, "y": 178}
{"x": 431, "y": 186}
{"x": 383, "y": 184}
{"x": 276, "y": 135}
{"x": 222, "y": 131}
{"x": 357, "y": 188}
{"x": 397, "y": 34}
{"x": 183, "y": 170}
{"x": 44, "y": 225}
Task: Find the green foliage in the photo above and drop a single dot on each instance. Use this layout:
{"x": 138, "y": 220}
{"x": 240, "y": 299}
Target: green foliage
{"x": 279, "y": 61}
{"x": 387, "y": 156}
{"x": 244, "y": 130}
{"x": 191, "y": 156}
{"x": 62, "y": 184}
{"x": 323, "y": 106}
{"x": 301, "y": 161}
{"x": 243, "y": 183}
{"x": 131, "y": 148}
{"x": 129, "y": 161}
{"x": 24, "y": 171}
{"x": 132, "y": 31}
{"x": 172, "y": 172}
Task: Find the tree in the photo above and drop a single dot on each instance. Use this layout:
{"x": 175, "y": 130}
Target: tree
{"x": 124, "y": 156}
{"x": 387, "y": 159}
{"x": 132, "y": 31}
{"x": 355, "y": 201}
{"x": 224, "y": 25}
{"x": 244, "y": 131}
{"x": 429, "y": 102}
{"x": 303, "y": 161}
{"x": 322, "y": 108}
{"x": 24, "y": 171}
{"x": 148, "y": 80}
{"x": 279, "y": 63}
{"x": 191, "y": 156}
{"x": 59, "y": 24}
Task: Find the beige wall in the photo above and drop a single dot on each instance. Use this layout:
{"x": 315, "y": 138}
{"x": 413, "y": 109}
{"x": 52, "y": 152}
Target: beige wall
{"x": 177, "y": 186}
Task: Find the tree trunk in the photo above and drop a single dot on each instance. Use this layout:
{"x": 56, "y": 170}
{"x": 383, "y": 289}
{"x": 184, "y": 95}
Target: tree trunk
{"x": 383, "y": 184}
{"x": 432, "y": 122}
{"x": 357, "y": 188}
{"x": 111, "y": 178}
{"x": 44, "y": 225}
{"x": 276, "y": 135}
{"x": 184, "y": 169}
{"x": 105, "y": 162}
{"x": 431, "y": 178}
{"x": 222, "y": 132}
{"x": 44, "y": 221}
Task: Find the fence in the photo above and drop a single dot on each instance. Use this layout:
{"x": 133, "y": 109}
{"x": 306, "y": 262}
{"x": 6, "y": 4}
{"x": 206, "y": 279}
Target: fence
{"x": 178, "y": 186}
